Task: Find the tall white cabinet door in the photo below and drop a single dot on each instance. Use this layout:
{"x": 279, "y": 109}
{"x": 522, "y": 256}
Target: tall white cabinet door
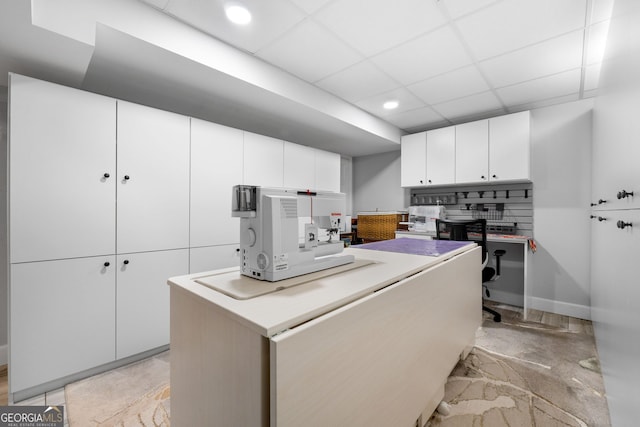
{"x": 509, "y": 152}
{"x": 216, "y": 166}
{"x": 142, "y": 321}
{"x": 62, "y": 318}
{"x": 413, "y": 160}
{"x": 153, "y": 179}
{"x": 328, "y": 168}
{"x": 263, "y": 160}
{"x": 299, "y": 166}
{"x": 441, "y": 156}
{"x": 472, "y": 152}
{"x": 62, "y": 155}
{"x": 213, "y": 258}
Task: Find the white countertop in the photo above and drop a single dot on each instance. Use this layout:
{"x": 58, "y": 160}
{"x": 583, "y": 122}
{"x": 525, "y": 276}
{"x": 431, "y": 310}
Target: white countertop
{"x": 277, "y": 311}
{"x": 491, "y": 237}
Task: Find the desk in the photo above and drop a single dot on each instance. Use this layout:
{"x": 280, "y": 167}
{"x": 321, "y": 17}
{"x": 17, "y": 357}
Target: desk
{"x": 514, "y": 286}
{"x": 370, "y": 346}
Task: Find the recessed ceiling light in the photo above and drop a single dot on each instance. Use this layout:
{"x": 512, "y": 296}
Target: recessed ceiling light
{"x": 390, "y": 105}
{"x": 238, "y": 14}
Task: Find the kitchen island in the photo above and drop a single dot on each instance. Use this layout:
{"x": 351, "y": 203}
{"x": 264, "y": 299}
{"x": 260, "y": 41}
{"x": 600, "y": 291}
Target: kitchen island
{"x": 367, "y": 344}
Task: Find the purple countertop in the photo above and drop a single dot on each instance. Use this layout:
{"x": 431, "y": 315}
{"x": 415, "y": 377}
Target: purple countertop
{"x": 414, "y": 246}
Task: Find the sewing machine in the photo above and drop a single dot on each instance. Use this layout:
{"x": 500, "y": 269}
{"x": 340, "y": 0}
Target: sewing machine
{"x": 286, "y": 233}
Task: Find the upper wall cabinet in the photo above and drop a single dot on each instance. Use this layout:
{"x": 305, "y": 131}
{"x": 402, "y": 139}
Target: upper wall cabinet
{"x": 327, "y": 171}
{"x": 299, "y": 166}
{"x": 509, "y": 147}
{"x": 413, "y": 160}
{"x": 216, "y": 166}
{"x": 494, "y": 150}
{"x": 308, "y": 168}
{"x": 153, "y": 179}
{"x": 472, "y": 152}
{"x": 62, "y": 173}
{"x": 263, "y": 160}
{"x": 441, "y": 156}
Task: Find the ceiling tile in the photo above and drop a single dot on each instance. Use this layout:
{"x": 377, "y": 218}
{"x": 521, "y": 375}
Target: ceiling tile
{"x": 422, "y": 118}
{"x": 509, "y": 25}
{"x": 407, "y": 101}
{"x": 601, "y": 10}
{"x": 310, "y": 6}
{"x": 543, "y": 59}
{"x": 480, "y": 103}
{"x": 270, "y": 20}
{"x": 592, "y": 76}
{"x": 455, "y": 84}
{"x": 377, "y": 25}
{"x": 596, "y": 41}
{"x": 310, "y": 52}
{"x": 358, "y": 82}
{"x": 458, "y": 8}
{"x": 426, "y": 56}
{"x": 560, "y": 84}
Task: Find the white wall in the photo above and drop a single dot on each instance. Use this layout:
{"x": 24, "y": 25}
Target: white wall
{"x": 561, "y": 175}
{"x": 4, "y": 326}
{"x": 376, "y": 183}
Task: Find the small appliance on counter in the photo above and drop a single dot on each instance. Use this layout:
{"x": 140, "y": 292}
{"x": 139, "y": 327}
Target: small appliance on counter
{"x": 423, "y": 218}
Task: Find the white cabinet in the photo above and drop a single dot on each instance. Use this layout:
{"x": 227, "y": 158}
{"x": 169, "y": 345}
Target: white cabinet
{"x": 441, "y": 156}
{"x": 509, "y": 147}
{"x": 472, "y": 152}
{"x": 310, "y": 168}
{"x": 493, "y": 150}
{"x": 299, "y": 166}
{"x": 213, "y": 258}
{"x": 216, "y": 166}
{"x": 62, "y": 173}
{"x": 328, "y": 168}
{"x": 153, "y": 179}
{"x": 263, "y": 160}
{"x": 62, "y": 318}
{"x": 142, "y": 320}
{"x": 413, "y": 160}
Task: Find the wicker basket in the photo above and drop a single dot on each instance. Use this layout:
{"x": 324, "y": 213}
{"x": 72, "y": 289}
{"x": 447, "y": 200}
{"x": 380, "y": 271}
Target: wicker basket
{"x": 378, "y": 227}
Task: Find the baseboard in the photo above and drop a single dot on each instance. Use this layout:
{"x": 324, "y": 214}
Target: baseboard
{"x": 4, "y": 354}
{"x": 559, "y": 307}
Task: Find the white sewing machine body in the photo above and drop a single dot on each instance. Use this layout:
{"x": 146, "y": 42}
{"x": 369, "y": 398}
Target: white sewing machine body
{"x": 286, "y": 232}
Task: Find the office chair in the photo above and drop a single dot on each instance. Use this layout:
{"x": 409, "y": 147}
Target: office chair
{"x": 461, "y": 230}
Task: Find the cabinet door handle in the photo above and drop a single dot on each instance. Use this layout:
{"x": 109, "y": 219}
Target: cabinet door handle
{"x": 106, "y": 175}
{"x": 107, "y": 264}
{"x": 601, "y": 201}
{"x": 601, "y": 218}
{"x": 593, "y": 216}
{"x": 623, "y": 194}
{"x": 429, "y": 181}
{"x": 621, "y": 224}
{"x": 125, "y": 262}
{"x": 126, "y": 177}
{"x": 482, "y": 177}
{"x": 421, "y": 182}
{"x": 494, "y": 176}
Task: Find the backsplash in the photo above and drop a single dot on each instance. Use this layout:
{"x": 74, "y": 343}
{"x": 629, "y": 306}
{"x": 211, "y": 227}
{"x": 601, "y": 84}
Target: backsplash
{"x": 508, "y": 208}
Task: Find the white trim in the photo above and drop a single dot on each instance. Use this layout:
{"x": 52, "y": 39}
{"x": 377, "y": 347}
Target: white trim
{"x": 559, "y": 307}
{"x": 4, "y": 354}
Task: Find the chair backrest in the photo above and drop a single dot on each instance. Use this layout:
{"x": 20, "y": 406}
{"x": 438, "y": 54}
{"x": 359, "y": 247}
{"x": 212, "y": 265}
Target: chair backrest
{"x": 464, "y": 230}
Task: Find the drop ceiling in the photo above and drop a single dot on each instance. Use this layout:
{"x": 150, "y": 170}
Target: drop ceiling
{"x": 316, "y": 72}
